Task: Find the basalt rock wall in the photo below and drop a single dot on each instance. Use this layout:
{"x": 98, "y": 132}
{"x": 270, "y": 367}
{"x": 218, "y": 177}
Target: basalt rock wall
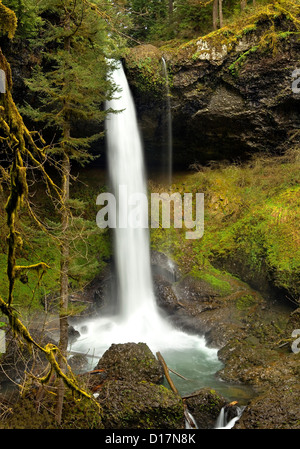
{"x": 229, "y": 98}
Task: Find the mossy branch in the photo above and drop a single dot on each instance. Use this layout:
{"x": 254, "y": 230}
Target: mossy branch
{"x": 50, "y": 350}
{"x": 8, "y": 21}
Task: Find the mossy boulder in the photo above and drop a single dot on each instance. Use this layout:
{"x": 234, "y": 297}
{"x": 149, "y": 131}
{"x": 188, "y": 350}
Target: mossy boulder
{"x": 276, "y": 408}
{"x": 140, "y": 405}
{"x": 131, "y": 362}
{"x": 130, "y": 392}
{"x": 205, "y": 406}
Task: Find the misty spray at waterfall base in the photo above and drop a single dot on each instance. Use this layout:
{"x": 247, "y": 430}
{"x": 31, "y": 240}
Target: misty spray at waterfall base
{"x": 138, "y": 318}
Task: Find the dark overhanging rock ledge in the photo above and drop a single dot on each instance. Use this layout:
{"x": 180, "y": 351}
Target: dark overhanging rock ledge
{"x": 218, "y": 112}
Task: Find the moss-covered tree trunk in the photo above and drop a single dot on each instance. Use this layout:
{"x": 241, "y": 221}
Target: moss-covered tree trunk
{"x": 64, "y": 282}
{"x": 65, "y": 245}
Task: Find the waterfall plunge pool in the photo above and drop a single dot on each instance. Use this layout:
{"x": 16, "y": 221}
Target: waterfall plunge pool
{"x": 187, "y": 355}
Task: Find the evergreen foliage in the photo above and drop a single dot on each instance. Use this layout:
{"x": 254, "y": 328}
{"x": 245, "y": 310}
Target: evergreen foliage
{"x": 71, "y": 81}
{"x": 27, "y": 15}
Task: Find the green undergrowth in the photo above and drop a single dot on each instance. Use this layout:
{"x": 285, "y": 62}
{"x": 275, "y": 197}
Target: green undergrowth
{"x": 251, "y": 219}
{"x": 30, "y": 414}
{"x": 217, "y": 280}
{"x": 90, "y": 247}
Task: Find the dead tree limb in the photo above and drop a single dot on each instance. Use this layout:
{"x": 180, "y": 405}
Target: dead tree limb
{"x": 174, "y": 389}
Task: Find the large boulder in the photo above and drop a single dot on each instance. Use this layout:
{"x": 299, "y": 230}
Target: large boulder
{"x": 277, "y": 408}
{"x": 205, "y": 406}
{"x": 127, "y": 384}
{"x": 140, "y": 405}
{"x": 131, "y": 362}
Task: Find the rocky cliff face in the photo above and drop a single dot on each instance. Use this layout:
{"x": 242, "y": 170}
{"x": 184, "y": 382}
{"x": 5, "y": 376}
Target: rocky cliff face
{"x": 231, "y": 94}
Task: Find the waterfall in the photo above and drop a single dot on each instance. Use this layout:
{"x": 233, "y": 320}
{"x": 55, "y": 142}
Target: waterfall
{"x": 223, "y": 422}
{"x": 138, "y": 319}
{"x": 126, "y": 168}
{"x": 169, "y": 124}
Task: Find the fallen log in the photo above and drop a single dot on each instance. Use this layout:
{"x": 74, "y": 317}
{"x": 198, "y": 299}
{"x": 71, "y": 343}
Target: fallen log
{"x": 177, "y": 374}
{"x": 95, "y": 371}
{"x": 166, "y": 372}
{"x": 174, "y": 389}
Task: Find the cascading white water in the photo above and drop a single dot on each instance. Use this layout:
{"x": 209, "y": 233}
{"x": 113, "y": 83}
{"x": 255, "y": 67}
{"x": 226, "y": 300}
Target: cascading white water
{"x": 126, "y": 169}
{"x": 139, "y": 319}
{"x": 223, "y": 422}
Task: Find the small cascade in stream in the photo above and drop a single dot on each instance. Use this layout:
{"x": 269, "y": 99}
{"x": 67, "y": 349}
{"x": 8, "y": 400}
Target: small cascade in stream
{"x": 190, "y": 422}
{"x": 138, "y": 318}
{"x": 224, "y": 422}
{"x": 169, "y": 124}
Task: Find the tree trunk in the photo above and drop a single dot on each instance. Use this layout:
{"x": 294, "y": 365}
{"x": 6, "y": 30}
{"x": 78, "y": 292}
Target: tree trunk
{"x": 221, "y": 12}
{"x": 65, "y": 246}
{"x": 215, "y": 14}
{"x": 64, "y": 281}
{"x": 243, "y": 4}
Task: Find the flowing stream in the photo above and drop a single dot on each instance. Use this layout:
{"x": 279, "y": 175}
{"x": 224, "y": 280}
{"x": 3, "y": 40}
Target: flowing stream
{"x": 138, "y": 318}
{"x": 223, "y": 422}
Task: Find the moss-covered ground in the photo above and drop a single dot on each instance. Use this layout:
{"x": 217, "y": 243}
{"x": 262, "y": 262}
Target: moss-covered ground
{"x": 251, "y": 220}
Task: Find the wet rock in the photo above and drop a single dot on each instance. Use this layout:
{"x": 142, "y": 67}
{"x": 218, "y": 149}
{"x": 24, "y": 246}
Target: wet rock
{"x": 165, "y": 267}
{"x": 274, "y": 409}
{"x": 132, "y": 362}
{"x": 73, "y": 334}
{"x": 166, "y": 298}
{"x": 218, "y": 112}
{"x": 78, "y": 362}
{"x": 215, "y": 307}
{"x": 132, "y": 382}
{"x": 205, "y": 406}
{"x": 140, "y": 405}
